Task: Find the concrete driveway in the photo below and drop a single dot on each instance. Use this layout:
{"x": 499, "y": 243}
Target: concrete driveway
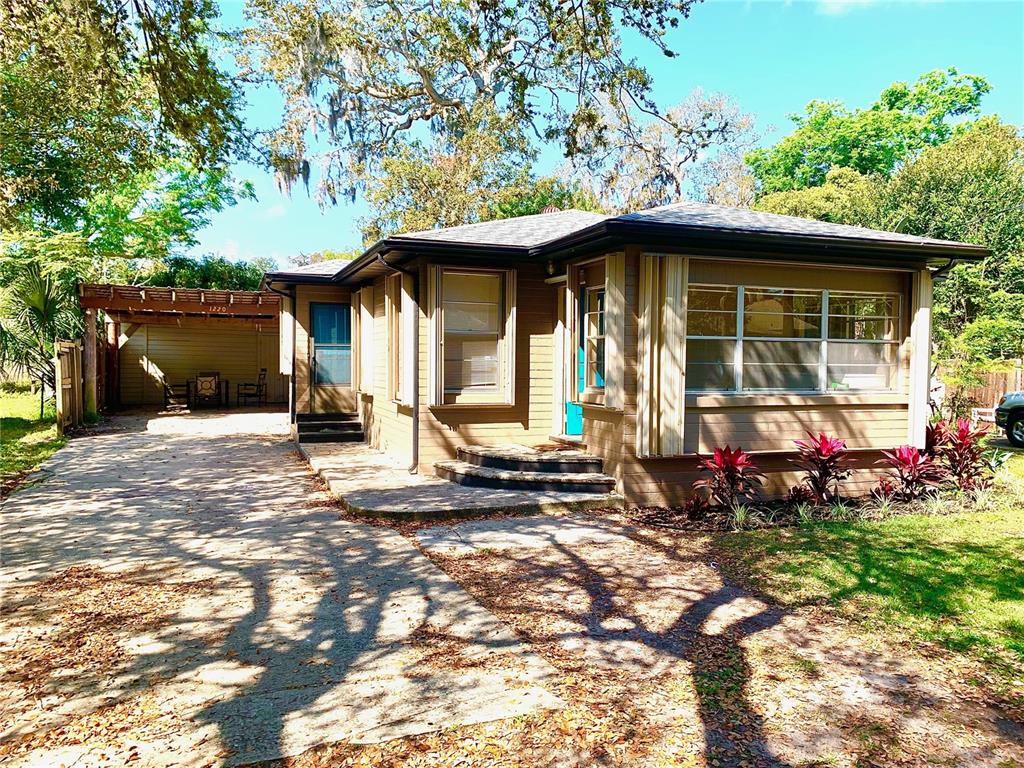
{"x": 178, "y": 591}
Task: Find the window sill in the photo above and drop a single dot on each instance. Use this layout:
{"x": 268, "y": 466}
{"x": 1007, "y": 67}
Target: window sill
{"x": 601, "y": 407}
{"x": 471, "y": 406}
{"x": 737, "y": 400}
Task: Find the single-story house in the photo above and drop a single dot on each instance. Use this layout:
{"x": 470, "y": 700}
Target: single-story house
{"x": 644, "y": 339}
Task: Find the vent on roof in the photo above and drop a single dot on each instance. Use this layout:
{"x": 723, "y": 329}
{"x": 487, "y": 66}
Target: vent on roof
{"x": 550, "y": 209}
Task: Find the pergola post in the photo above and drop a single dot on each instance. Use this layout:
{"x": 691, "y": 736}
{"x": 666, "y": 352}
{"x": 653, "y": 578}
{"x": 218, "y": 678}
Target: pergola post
{"x": 89, "y": 363}
{"x": 113, "y": 372}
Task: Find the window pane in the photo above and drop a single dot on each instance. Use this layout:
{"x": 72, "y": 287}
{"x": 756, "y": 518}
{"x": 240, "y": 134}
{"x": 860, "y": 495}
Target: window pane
{"x": 332, "y": 323}
{"x": 862, "y": 317}
{"x": 595, "y": 362}
{"x": 709, "y": 364}
{"x": 459, "y": 286}
{"x": 711, "y": 312}
{"x": 780, "y": 365}
{"x": 333, "y": 365}
{"x": 470, "y": 362}
{"x": 782, "y": 313}
{"x": 862, "y": 305}
{"x": 472, "y": 317}
{"x": 854, "y": 366}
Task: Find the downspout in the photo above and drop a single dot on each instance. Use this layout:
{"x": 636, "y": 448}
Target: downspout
{"x": 414, "y": 467}
{"x": 291, "y": 379}
{"x": 941, "y": 271}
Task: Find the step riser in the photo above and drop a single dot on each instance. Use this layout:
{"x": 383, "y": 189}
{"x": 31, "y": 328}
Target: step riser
{"x": 525, "y": 465}
{"x": 330, "y": 426}
{"x": 524, "y": 485}
{"x": 315, "y": 437}
{"x": 313, "y": 418}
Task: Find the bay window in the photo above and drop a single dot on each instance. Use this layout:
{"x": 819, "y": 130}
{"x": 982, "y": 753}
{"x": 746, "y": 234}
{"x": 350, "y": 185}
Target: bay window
{"x": 753, "y": 339}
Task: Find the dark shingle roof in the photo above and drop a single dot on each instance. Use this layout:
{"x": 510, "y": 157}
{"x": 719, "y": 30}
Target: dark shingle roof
{"x": 724, "y": 218}
{"x": 547, "y": 234}
{"x": 522, "y": 231}
{"x": 325, "y": 269}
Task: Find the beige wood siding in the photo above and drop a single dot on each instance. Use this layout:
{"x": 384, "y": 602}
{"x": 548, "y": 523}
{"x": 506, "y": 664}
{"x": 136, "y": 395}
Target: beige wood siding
{"x": 388, "y": 425}
{"x": 168, "y": 353}
{"x": 327, "y": 399}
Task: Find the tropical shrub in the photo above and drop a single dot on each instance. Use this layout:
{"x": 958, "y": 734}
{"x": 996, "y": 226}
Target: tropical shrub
{"x": 733, "y": 477}
{"x": 799, "y": 494}
{"x": 742, "y": 516}
{"x": 935, "y": 437}
{"x": 912, "y": 472}
{"x": 695, "y": 507}
{"x": 964, "y": 456}
{"x": 823, "y": 460}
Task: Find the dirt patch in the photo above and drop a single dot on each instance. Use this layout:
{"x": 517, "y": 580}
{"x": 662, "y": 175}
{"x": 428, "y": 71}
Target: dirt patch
{"x": 76, "y": 625}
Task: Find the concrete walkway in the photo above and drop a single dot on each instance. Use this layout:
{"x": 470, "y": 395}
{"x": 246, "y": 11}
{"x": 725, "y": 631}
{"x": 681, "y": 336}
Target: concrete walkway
{"x": 291, "y": 627}
{"x": 370, "y": 483}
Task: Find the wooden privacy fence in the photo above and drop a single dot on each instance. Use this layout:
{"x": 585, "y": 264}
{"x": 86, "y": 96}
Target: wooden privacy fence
{"x": 994, "y": 385}
{"x": 68, "y": 380}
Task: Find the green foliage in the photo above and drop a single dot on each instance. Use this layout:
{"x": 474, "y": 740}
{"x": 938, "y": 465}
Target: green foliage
{"x": 368, "y": 83}
{"x": 37, "y": 306}
{"x": 158, "y": 211}
{"x": 956, "y": 580}
{"x": 846, "y": 197}
{"x": 905, "y": 119}
{"x": 92, "y": 95}
{"x": 535, "y": 195}
{"x": 26, "y": 437}
{"x": 447, "y": 182}
{"x": 211, "y": 272}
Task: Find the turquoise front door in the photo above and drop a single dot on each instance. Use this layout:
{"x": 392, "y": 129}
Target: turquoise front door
{"x": 574, "y": 411}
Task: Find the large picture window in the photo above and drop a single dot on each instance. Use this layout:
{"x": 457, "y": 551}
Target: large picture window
{"x": 332, "y": 344}
{"x": 751, "y": 339}
{"x": 472, "y": 310}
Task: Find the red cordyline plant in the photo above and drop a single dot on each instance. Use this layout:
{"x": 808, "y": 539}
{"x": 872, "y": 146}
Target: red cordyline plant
{"x": 935, "y": 437}
{"x": 823, "y": 459}
{"x": 962, "y": 452}
{"x": 912, "y": 472}
{"x": 734, "y": 478}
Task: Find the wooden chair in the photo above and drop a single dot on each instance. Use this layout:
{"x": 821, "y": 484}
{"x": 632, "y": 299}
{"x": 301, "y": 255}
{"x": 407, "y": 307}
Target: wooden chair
{"x": 177, "y": 395}
{"x": 257, "y": 391}
{"x": 208, "y": 389}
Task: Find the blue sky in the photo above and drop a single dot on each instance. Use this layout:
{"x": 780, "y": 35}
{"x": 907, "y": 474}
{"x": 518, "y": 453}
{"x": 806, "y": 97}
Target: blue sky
{"x": 771, "y": 56}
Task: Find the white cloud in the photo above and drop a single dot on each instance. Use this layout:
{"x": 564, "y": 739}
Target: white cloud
{"x": 229, "y": 250}
{"x": 839, "y": 7}
{"x": 275, "y": 211}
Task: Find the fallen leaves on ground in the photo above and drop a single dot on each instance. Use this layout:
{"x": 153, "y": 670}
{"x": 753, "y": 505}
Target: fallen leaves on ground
{"x": 73, "y": 625}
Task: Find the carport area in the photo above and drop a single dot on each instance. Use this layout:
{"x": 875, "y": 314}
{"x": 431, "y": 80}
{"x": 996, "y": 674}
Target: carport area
{"x": 154, "y": 342}
{"x": 178, "y": 590}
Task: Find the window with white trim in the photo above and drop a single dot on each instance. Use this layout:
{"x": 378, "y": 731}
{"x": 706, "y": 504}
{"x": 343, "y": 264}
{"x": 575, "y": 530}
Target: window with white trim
{"x": 473, "y": 321}
{"x": 754, "y": 339}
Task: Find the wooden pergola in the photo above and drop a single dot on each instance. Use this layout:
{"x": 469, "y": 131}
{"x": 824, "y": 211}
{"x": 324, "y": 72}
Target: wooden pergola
{"x": 128, "y": 307}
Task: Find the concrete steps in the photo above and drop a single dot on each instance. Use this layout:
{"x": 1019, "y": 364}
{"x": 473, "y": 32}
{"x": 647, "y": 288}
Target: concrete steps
{"x": 526, "y": 469}
{"x": 328, "y": 428}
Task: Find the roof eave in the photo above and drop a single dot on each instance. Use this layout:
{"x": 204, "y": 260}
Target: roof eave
{"x": 612, "y": 233}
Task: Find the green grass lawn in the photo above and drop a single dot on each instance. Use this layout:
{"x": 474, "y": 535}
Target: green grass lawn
{"x": 25, "y": 439}
{"x": 955, "y": 580}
